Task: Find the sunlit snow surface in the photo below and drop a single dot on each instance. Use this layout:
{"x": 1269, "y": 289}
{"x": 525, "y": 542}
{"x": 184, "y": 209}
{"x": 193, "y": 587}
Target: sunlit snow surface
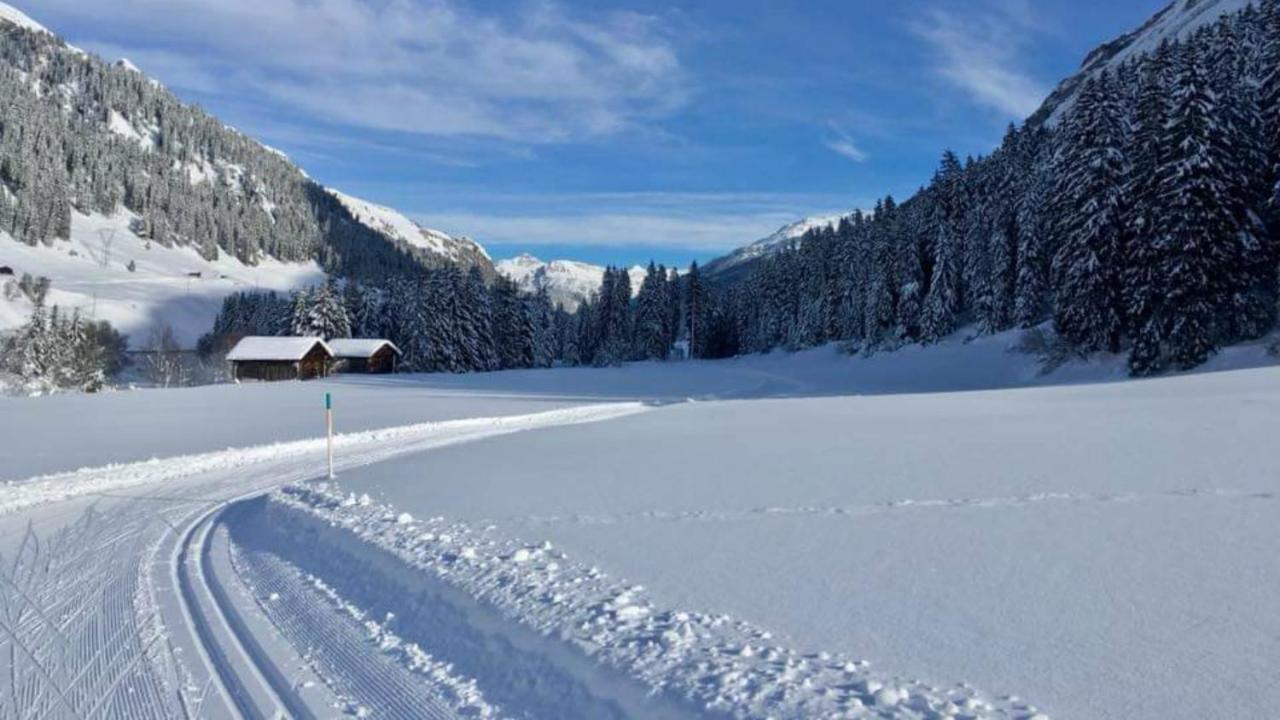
{"x": 174, "y": 286}
{"x": 932, "y": 533}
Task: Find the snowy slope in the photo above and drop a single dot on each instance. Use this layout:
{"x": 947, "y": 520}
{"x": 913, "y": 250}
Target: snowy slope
{"x": 399, "y": 228}
{"x": 812, "y": 548}
{"x": 1096, "y": 551}
{"x": 160, "y": 289}
{"x": 1177, "y": 21}
{"x": 776, "y": 242}
{"x": 15, "y": 16}
{"x": 89, "y": 273}
{"x": 567, "y": 282}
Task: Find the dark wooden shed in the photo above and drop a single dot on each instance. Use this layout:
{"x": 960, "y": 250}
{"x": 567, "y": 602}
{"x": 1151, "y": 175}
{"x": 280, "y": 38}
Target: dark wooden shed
{"x": 280, "y": 358}
{"x": 365, "y": 355}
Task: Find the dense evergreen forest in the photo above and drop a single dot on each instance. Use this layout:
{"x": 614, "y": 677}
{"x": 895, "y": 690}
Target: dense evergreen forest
{"x": 450, "y": 321}
{"x": 1144, "y": 220}
{"x": 1141, "y": 216}
{"x": 78, "y": 134}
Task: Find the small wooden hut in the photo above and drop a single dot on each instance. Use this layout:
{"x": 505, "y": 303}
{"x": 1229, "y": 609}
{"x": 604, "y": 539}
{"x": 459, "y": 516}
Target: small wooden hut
{"x": 280, "y": 358}
{"x": 365, "y": 356}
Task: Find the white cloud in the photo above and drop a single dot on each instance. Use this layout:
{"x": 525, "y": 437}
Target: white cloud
{"x": 840, "y": 143}
{"x": 979, "y": 49}
{"x": 712, "y": 233}
{"x": 539, "y": 73}
{"x": 705, "y": 222}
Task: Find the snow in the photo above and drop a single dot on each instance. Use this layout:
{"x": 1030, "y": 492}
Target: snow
{"x": 13, "y": 15}
{"x": 10, "y": 14}
{"x": 120, "y": 125}
{"x": 567, "y": 282}
{"x": 940, "y": 532}
{"x": 1178, "y": 21}
{"x": 774, "y": 243}
{"x": 275, "y": 348}
{"x": 398, "y": 227}
{"x": 90, "y": 277}
{"x": 358, "y": 347}
{"x": 1040, "y": 541}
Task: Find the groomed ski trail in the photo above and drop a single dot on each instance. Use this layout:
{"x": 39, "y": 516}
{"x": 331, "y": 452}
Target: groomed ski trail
{"x": 353, "y": 450}
{"x": 104, "y": 639}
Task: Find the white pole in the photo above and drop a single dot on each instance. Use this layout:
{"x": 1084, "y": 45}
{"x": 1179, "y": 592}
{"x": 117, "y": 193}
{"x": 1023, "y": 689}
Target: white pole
{"x": 328, "y": 420}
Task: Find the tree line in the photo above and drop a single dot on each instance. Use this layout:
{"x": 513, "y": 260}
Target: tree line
{"x": 1144, "y": 220}
{"x": 447, "y": 320}
{"x": 81, "y": 135}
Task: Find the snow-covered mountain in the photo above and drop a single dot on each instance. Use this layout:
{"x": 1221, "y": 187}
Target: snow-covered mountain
{"x": 567, "y": 282}
{"x": 1177, "y": 21}
{"x": 741, "y": 259}
{"x": 182, "y": 209}
{"x": 17, "y": 17}
{"x": 391, "y": 223}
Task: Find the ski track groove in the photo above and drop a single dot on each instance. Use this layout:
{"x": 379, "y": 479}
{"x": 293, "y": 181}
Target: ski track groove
{"x": 80, "y": 634}
{"x": 337, "y": 647}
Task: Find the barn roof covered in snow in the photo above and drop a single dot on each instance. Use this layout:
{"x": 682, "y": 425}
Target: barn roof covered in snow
{"x": 278, "y": 349}
{"x": 360, "y": 347}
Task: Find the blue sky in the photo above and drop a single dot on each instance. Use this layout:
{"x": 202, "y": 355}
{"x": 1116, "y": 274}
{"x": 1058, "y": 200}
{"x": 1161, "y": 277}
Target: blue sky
{"x": 610, "y": 131}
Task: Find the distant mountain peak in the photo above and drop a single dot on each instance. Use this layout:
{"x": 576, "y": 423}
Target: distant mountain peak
{"x": 396, "y": 226}
{"x": 1176, "y": 21}
{"x": 567, "y": 282}
{"x": 10, "y": 14}
{"x": 774, "y": 243}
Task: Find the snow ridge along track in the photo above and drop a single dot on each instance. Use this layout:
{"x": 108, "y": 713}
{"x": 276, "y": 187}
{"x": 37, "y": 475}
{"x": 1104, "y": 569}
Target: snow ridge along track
{"x": 445, "y": 581}
{"x": 353, "y": 449}
{"x": 106, "y": 637}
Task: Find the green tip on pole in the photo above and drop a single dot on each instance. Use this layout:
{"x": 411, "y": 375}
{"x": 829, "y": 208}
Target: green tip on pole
{"x": 328, "y": 401}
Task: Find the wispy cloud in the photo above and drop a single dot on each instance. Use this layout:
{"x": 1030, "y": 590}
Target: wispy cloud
{"x": 705, "y": 222}
{"x": 537, "y": 73}
{"x": 980, "y": 47}
{"x": 839, "y": 142}
{"x": 614, "y": 230}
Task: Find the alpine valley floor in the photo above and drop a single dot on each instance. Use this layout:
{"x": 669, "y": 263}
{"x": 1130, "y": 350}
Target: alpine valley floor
{"x": 935, "y": 533}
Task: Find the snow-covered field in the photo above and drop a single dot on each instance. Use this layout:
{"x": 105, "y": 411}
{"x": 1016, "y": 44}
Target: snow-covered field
{"x": 938, "y": 533}
{"x": 90, "y": 273}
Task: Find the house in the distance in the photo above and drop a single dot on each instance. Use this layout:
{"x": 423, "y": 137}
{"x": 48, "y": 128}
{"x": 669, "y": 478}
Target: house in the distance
{"x": 368, "y": 356}
{"x": 280, "y": 358}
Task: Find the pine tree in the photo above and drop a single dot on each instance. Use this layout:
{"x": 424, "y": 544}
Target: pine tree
{"x": 1201, "y": 261}
{"x": 1142, "y": 258}
{"x": 300, "y": 314}
{"x": 1095, "y": 173}
{"x": 327, "y": 315}
{"x": 652, "y": 340}
{"x": 547, "y": 331}
{"x": 942, "y": 304}
{"x": 695, "y": 307}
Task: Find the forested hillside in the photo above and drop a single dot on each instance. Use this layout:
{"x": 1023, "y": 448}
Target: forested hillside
{"x": 1144, "y": 220}
{"x": 80, "y": 135}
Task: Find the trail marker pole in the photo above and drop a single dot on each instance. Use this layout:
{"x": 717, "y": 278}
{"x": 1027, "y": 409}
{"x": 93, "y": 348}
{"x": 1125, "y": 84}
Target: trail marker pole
{"x": 328, "y": 421}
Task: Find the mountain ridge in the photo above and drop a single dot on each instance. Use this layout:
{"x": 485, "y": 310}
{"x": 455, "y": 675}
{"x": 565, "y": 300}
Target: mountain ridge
{"x": 568, "y": 283}
{"x": 738, "y": 262}
{"x": 121, "y": 156}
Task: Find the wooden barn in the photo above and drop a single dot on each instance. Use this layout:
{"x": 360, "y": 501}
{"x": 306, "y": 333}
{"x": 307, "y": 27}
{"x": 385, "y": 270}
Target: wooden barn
{"x": 280, "y": 358}
{"x": 366, "y": 356}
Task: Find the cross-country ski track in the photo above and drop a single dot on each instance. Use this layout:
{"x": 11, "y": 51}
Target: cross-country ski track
{"x": 216, "y": 602}
{"x": 144, "y": 630}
